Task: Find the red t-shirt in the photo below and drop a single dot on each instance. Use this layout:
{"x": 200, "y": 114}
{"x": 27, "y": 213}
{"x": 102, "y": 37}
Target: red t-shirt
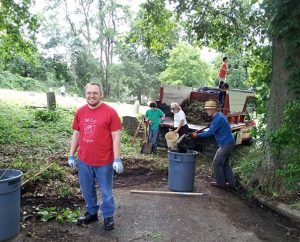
{"x": 95, "y": 127}
{"x": 223, "y": 70}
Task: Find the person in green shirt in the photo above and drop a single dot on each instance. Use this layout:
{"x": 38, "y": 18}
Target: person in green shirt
{"x": 153, "y": 116}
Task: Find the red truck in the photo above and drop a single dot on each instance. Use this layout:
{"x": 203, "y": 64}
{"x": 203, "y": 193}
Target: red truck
{"x": 236, "y": 103}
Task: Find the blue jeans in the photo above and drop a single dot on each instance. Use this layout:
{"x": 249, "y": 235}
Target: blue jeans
{"x": 87, "y": 179}
{"x": 222, "y": 170}
{"x": 153, "y": 138}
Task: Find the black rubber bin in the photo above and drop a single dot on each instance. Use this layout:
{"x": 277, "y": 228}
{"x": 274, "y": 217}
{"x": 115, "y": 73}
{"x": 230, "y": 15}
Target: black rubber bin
{"x": 181, "y": 170}
{"x": 10, "y": 196}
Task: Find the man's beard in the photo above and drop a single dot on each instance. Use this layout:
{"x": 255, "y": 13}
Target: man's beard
{"x": 94, "y": 104}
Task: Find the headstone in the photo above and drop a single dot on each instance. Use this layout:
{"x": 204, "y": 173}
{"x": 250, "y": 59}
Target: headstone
{"x": 130, "y": 124}
{"x": 51, "y": 102}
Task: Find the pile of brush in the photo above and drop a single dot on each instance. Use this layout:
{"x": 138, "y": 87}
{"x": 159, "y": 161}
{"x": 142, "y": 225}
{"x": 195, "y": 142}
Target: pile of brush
{"x": 195, "y": 112}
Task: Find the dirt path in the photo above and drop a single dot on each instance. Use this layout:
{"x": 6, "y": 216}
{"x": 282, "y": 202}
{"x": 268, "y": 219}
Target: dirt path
{"x": 222, "y": 216}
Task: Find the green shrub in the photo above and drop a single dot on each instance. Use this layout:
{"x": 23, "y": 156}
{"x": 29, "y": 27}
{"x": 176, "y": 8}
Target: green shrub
{"x": 46, "y": 116}
{"x": 247, "y": 162}
{"x": 127, "y": 146}
{"x": 13, "y": 81}
{"x": 286, "y": 146}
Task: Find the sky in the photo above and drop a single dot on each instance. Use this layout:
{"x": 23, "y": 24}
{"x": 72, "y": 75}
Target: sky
{"x": 134, "y": 4}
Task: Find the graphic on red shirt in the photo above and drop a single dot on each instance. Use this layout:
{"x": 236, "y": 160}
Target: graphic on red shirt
{"x": 89, "y": 129}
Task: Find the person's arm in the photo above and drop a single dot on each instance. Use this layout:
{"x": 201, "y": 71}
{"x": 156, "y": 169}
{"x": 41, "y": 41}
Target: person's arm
{"x": 116, "y": 143}
{"x": 74, "y": 142}
{"x": 162, "y": 115}
{"x": 179, "y": 126}
{"x": 212, "y": 129}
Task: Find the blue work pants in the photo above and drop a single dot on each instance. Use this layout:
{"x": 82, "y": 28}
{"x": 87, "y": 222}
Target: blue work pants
{"x": 88, "y": 175}
{"x": 153, "y": 138}
{"x": 222, "y": 170}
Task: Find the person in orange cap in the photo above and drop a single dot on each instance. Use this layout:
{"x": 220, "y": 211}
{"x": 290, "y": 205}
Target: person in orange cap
{"x": 220, "y": 128}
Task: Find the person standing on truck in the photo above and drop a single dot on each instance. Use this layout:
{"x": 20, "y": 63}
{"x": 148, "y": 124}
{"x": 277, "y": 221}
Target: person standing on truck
{"x": 97, "y": 129}
{"x": 222, "y": 94}
{"x": 220, "y": 128}
{"x": 180, "y": 123}
{"x": 223, "y": 69}
{"x": 154, "y": 116}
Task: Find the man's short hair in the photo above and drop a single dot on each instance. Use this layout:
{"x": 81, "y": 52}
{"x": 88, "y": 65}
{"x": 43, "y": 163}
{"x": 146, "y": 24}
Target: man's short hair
{"x": 93, "y": 84}
{"x": 225, "y": 58}
{"x": 226, "y": 86}
{"x": 153, "y": 104}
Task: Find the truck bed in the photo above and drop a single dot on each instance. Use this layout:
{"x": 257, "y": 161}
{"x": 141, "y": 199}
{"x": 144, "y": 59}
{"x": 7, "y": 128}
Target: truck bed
{"x": 194, "y": 127}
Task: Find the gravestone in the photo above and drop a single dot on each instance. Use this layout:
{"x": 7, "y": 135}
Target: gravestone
{"x": 51, "y": 102}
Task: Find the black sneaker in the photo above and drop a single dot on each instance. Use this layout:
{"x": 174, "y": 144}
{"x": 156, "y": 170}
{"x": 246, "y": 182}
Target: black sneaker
{"x": 87, "y": 218}
{"x": 109, "y": 223}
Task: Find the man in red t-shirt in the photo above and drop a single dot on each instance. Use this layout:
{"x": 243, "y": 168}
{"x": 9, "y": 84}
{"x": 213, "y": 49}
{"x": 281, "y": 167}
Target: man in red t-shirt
{"x": 97, "y": 135}
{"x": 223, "y": 70}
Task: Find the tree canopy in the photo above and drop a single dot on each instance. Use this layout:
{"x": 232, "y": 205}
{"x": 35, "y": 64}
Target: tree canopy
{"x": 17, "y": 29}
{"x": 185, "y": 68}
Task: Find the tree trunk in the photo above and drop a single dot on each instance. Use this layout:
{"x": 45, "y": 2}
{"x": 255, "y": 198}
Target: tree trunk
{"x": 285, "y": 69}
{"x": 280, "y": 95}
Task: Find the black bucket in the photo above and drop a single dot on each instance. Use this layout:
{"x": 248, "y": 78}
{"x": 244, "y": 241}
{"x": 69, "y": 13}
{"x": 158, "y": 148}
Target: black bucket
{"x": 10, "y": 194}
{"x": 181, "y": 171}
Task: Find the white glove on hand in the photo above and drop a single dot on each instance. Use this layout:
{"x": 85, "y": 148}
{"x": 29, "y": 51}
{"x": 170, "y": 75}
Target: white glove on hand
{"x": 117, "y": 165}
{"x": 72, "y": 162}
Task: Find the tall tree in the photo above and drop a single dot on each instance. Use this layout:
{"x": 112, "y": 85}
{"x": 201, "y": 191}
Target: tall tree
{"x": 110, "y": 17}
{"x": 184, "y": 67}
{"x": 17, "y": 29}
{"x": 155, "y": 26}
{"x": 92, "y": 26}
{"x": 140, "y": 68}
{"x": 285, "y": 88}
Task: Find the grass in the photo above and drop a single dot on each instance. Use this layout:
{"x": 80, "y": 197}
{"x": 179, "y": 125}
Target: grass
{"x": 29, "y": 144}
{"x": 31, "y": 139}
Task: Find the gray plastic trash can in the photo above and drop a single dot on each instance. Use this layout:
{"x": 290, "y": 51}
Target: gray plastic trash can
{"x": 10, "y": 195}
{"x": 181, "y": 171}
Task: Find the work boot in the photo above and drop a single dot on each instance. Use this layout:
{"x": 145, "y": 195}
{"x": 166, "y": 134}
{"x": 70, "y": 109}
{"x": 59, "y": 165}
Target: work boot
{"x": 223, "y": 186}
{"x": 87, "y": 218}
{"x": 109, "y": 223}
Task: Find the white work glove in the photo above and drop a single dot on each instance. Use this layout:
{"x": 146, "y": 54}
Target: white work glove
{"x": 72, "y": 162}
{"x": 117, "y": 165}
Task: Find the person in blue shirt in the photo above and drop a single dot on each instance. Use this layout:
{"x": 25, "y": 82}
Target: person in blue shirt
{"x": 220, "y": 128}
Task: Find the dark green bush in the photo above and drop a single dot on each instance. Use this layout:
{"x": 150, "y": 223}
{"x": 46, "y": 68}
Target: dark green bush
{"x": 286, "y": 145}
{"x": 46, "y": 116}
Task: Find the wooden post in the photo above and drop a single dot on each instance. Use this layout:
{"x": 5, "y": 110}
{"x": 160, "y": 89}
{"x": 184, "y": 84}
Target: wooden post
{"x": 51, "y": 103}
